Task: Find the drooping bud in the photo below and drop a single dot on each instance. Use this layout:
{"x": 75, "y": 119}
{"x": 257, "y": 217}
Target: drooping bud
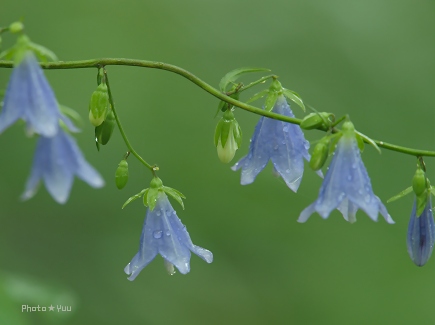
{"x": 316, "y": 120}
{"x": 320, "y": 154}
{"x": 99, "y": 104}
{"x": 104, "y": 131}
{"x": 16, "y": 27}
{"x": 228, "y": 137}
{"x": 121, "y": 174}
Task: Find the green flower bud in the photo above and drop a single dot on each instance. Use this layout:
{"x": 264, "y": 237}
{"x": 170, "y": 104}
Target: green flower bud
{"x": 104, "y": 131}
{"x": 419, "y": 184}
{"x": 121, "y": 174}
{"x": 315, "y": 120}
{"x": 320, "y": 154}
{"x": 156, "y": 183}
{"x": 16, "y": 27}
{"x": 98, "y": 105}
{"x": 228, "y": 137}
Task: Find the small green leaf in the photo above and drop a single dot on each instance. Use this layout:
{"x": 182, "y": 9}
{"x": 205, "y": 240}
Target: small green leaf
{"x": 360, "y": 141}
{"x": 258, "y": 95}
{"x": 369, "y": 141}
{"x": 134, "y": 197}
{"x": 432, "y": 190}
{"x": 176, "y": 195}
{"x": 234, "y": 74}
{"x": 400, "y": 195}
{"x": 271, "y": 100}
{"x": 152, "y": 198}
{"x": 294, "y": 97}
{"x": 43, "y": 53}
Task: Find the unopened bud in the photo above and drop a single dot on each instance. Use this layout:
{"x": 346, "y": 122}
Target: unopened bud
{"x": 320, "y": 154}
{"x": 228, "y": 137}
{"x": 99, "y": 105}
{"x": 16, "y": 27}
{"x": 121, "y": 174}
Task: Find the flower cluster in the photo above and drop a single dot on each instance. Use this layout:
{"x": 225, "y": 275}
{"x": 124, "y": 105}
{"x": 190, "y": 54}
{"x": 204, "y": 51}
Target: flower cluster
{"x": 57, "y": 158}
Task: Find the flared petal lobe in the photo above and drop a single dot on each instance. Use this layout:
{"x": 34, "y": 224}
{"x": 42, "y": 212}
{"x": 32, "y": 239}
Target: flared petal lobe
{"x": 29, "y": 97}
{"x": 421, "y": 235}
{"x": 57, "y": 160}
{"x": 164, "y": 234}
{"x": 282, "y": 143}
{"x": 346, "y": 187}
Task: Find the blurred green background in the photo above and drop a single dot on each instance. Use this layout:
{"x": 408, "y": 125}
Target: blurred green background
{"x": 371, "y": 59}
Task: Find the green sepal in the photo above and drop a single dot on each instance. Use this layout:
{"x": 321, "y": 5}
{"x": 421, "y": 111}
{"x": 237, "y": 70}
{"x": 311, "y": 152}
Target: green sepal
{"x": 134, "y": 197}
{"x": 271, "y": 99}
{"x": 360, "y": 142}
{"x": 421, "y": 203}
{"x": 400, "y": 195}
{"x": 151, "y": 198}
{"x": 104, "y": 131}
{"x": 294, "y": 97}
{"x": 43, "y": 53}
{"x": 258, "y": 95}
{"x": 432, "y": 190}
{"x": 176, "y": 195}
{"x": 121, "y": 174}
{"x": 223, "y": 128}
{"x": 316, "y": 120}
{"x": 9, "y": 53}
{"x": 221, "y": 107}
{"x": 334, "y": 140}
{"x": 419, "y": 183}
{"x": 71, "y": 113}
{"x": 369, "y": 141}
{"x": 234, "y": 74}
{"x": 237, "y": 131}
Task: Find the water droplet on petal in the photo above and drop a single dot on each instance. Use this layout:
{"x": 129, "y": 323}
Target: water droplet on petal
{"x": 285, "y": 128}
{"x": 275, "y": 147}
{"x": 168, "y": 212}
{"x": 168, "y": 233}
{"x": 158, "y": 213}
{"x": 157, "y": 234}
{"x": 283, "y": 142}
{"x": 287, "y": 171}
{"x": 354, "y": 165}
{"x": 367, "y": 198}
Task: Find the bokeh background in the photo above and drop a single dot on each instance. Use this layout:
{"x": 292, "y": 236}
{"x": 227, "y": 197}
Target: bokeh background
{"x": 372, "y": 59}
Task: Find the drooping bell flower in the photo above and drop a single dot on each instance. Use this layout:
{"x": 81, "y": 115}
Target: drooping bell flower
{"x": 346, "y": 186}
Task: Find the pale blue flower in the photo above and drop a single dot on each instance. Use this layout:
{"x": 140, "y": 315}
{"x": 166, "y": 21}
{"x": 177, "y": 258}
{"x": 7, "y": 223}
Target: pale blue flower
{"x": 57, "y": 159}
{"x": 29, "y": 97}
{"x": 164, "y": 234}
{"x": 346, "y": 186}
{"x": 282, "y": 143}
{"x": 421, "y": 234}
